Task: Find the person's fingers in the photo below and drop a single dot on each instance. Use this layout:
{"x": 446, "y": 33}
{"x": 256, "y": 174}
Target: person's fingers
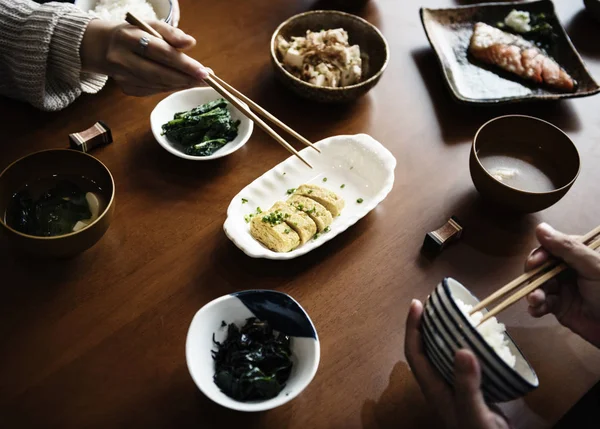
{"x": 471, "y": 410}
{"x": 571, "y": 250}
{"x": 156, "y": 75}
{"x": 536, "y": 258}
{"x": 164, "y": 54}
{"x": 157, "y": 50}
{"x": 552, "y": 286}
{"x": 538, "y": 311}
{"x": 433, "y": 386}
{"x": 173, "y": 36}
{"x": 551, "y": 304}
{"x": 536, "y": 298}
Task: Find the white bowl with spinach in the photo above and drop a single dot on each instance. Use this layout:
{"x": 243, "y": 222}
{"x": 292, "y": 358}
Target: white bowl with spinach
{"x": 197, "y": 124}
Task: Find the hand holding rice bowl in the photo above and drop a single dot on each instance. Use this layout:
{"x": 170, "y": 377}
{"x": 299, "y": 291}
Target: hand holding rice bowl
{"x": 506, "y": 374}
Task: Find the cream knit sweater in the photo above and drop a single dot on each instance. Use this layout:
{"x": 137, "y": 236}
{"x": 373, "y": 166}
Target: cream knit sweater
{"x": 39, "y": 54}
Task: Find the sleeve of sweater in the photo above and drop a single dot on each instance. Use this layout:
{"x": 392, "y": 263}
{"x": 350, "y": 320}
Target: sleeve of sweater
{"x": 39, "y": 54}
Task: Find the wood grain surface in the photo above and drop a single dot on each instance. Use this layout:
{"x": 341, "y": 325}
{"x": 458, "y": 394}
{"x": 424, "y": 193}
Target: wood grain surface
{"x": 98, "y": 341}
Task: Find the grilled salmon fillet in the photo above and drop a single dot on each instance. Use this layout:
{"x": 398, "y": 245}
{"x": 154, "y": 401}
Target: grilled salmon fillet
{"x": 521, "y": 57}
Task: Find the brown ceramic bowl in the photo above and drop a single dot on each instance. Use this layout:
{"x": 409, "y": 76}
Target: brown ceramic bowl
{"x": 532, "y": 140}
{"x": 45, "y": 164}
{"x": 373, "y": 48}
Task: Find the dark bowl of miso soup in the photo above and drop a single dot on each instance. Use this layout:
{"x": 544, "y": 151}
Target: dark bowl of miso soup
{"x": 522, "y": 163}
{"x": 56, "y": 203}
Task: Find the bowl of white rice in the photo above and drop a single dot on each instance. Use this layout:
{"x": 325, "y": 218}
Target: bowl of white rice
{"x": 448, "y": 327}
{"x": 115, "y": 10}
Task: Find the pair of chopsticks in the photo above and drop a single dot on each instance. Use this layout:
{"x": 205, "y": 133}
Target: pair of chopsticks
{"x": 531, "y": 280}
{"x": 232, "y": 95}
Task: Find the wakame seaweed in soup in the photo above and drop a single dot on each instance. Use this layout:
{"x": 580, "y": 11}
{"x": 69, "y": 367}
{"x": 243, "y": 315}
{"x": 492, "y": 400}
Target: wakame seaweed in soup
{"x": 53, "y": 206}
{"x": 253, "y": 363}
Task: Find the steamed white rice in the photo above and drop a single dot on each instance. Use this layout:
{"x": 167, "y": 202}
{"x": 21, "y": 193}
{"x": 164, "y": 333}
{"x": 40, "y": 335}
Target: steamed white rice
{"x": 115, "y": 10}
{"x": 492, "y": 331}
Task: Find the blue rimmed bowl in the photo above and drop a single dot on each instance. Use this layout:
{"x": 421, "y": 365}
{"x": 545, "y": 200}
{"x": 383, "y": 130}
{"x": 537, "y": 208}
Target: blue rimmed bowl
{"x": 282, "y": 312}
{"x": 446, "y": 330}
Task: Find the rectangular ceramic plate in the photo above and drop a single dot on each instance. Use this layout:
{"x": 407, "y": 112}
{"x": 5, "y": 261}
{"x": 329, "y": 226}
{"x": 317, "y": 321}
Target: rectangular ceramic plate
{"x": 360, "y": 163}
{"x": 449, "y": 32}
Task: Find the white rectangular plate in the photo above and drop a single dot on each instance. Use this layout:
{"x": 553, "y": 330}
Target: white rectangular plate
{"x": 359, "y": 162}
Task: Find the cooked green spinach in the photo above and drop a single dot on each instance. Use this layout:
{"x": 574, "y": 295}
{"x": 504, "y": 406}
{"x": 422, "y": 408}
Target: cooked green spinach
{"x": 204, "y": 129}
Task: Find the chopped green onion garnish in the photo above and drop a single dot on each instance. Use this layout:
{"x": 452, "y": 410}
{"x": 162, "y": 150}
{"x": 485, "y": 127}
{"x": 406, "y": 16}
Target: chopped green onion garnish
{"x": 359, "y": 201}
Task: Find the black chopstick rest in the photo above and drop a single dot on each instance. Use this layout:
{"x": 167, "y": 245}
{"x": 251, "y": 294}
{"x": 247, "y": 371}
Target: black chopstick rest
{"x": 97, "y": 135}
{"x": 436, "y": 241}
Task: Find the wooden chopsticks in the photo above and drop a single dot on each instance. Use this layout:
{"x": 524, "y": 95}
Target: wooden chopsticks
{"x": 232, "y": 95}
{"x": 532, "y": 279}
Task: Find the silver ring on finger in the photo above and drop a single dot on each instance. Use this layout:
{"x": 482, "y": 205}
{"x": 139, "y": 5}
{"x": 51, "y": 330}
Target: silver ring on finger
{"x": 143, "y": 45}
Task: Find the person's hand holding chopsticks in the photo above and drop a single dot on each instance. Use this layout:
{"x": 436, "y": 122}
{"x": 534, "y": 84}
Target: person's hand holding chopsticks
{"x": 573, "y": 298}
{"x": 140, "y": 63}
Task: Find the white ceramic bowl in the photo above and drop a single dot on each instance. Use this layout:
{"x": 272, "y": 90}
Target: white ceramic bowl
{"x": 162, "y": 8}
{"x": 446, "y": 330}
{"x": 282, "y": 312}
{"x": 186, "y": 100}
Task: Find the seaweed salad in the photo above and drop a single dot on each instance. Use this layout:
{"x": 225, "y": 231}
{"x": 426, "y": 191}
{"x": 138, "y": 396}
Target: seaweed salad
{"x": 253, "y": 363}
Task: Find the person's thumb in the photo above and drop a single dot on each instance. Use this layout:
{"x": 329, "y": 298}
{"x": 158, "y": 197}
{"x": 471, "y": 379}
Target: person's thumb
{"x": 571, "y": 250}
{"x": 471, "y": 409}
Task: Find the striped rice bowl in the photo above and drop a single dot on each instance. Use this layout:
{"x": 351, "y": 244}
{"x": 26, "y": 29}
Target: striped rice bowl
{"x": 506, "y": 374}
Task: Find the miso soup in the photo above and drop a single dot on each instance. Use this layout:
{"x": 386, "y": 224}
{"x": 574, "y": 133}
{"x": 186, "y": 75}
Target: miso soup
{"x": 55, "y": 205}
{"x": 520, "y": 171}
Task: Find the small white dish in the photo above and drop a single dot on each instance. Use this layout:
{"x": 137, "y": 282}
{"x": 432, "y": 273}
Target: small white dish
{"x": 162, "y": 8}
{"x": 282, "y": 312}
{"x": 186, "y": 100}
{"x": 360, "y": 163}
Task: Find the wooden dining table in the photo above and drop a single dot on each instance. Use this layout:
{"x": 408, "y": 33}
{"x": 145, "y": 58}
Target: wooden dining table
{"x": 98, "y": 341}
